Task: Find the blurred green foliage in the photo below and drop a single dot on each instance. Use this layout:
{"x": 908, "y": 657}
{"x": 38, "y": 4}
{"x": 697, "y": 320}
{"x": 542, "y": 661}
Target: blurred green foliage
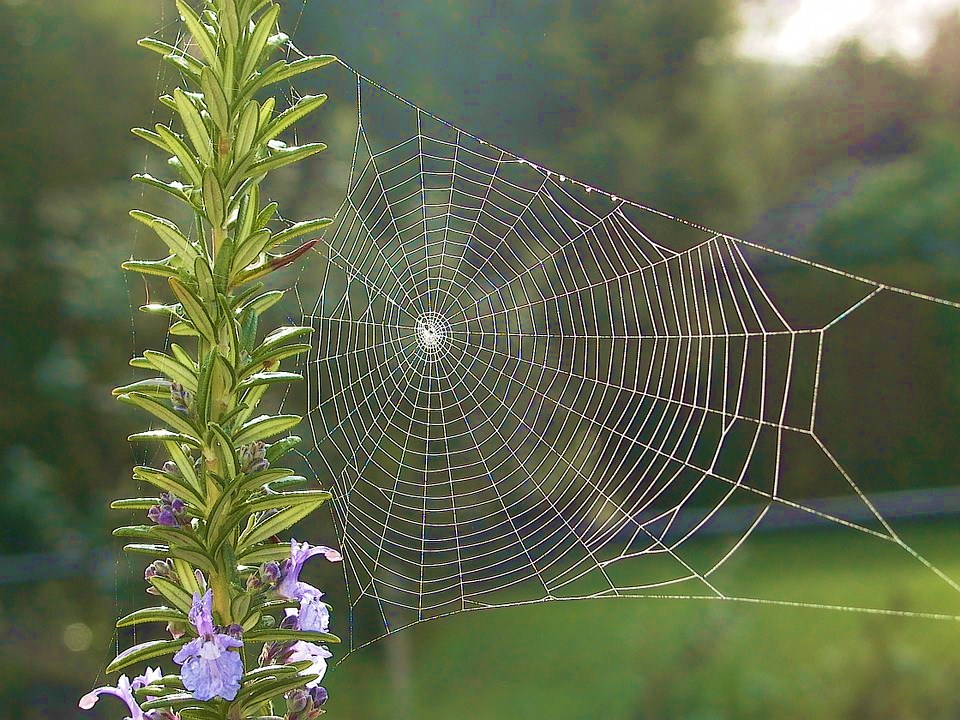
{"x": 854, "y": 162}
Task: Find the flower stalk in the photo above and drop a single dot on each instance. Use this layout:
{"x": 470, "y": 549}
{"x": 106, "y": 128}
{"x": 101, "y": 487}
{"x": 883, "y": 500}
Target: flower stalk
{"x": 226, "y": 582}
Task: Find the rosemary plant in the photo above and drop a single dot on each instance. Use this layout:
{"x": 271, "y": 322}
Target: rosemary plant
{"x": 229, "y": 587}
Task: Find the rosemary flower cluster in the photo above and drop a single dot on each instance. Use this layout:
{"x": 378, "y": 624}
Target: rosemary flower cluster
{"x": 247, "y": 638}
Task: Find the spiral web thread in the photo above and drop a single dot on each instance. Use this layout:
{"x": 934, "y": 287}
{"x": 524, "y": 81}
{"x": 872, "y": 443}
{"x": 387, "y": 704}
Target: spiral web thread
{"x": 517, "y": 393}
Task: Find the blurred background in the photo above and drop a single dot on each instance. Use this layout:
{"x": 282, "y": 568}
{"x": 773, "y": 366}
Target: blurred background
{"x": 827, "y": 129}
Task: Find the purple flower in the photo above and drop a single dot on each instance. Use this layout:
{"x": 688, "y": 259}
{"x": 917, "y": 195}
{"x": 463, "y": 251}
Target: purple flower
{"x": 180, "y": 398}
{"x": 290, "y": 586}
{"x": 316, "y": 654}
{"x": 210, "y": 668}
{"x": 124, "y": 690}
{"x": 313, "y": 615}
{"x": 170, "y": 512}
{"x": 305, "y": 704}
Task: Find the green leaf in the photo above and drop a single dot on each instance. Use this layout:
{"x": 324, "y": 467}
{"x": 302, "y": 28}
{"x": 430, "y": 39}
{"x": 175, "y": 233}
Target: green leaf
{"x": 195, "y": 310}
{"x": 200, "y": 33}
{"x": 223, "y": 450}
{"x": 280, "y": 448}
{"x": 301, "y": 228}
{"x": 306, "y": 105}
{"x": 216, "y": 99}
{"x": 158, "y": 388}
{"x": 205, "y": 285}
{"x": 151, "y": 137}
{"x": 169, "y": 233}
{"x": 247, "y": 128}
{"x": 280, "y": 635}
{"x": 250, "y": 249}
{"x": 276, "y": 523}
{"x": 282, "y": 158}
{"x": 229, "y": 22}
{"x": 154, "y": 614}
{"x": 256, "y": 481}
{"x": 161, "y": 411}
{"x": 269, "y": 378}
{"x": 168, "y": 482}
{"x": 185, "y": 574}
{"x": 179, "y": 58}
{"x": 145, "y": 651}
{"x": 154, "y": 551}
{"x": 264, "y": 690}
{"x": 213, "y": 202}
{"x": 287, "y": 499}
{"x": 188, "y": 163}
{"x": 184, "y": 704}
{"x": 265, "y": 553}
{"x": 185, "y": 466}
{"x": 161, "y": 268}
{"x": 133, "y": 504}
{"x": 178, "y": 597}
{"x": 176, "y": 189}
{"x": 265, "y": 426}
{"x": 183, "y": 329}
{"x": 266, "y": 215}
{"x": 194, "y": 557}
{"x": 218, "y": 525}
{"x": 262, "y": 303}
{"x": 249, "y": 323}
{"x": 163, "y": 435}
{"x": 173, "y": 369}
{"x": 294, "y": 482}
{"x": 193, "y": 124}
{"x": 258, "y": 40}
{"x": 281, "y": 71}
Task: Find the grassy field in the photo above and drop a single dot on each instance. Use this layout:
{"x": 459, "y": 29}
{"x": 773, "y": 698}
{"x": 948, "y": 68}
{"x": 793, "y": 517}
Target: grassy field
{"x": 623, "y": 659}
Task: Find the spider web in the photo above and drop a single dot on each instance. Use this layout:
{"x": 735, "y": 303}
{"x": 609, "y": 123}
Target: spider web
{"x": 524, "y": 388}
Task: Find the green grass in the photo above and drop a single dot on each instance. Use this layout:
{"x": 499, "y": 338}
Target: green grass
{"x": 622, "y": 659}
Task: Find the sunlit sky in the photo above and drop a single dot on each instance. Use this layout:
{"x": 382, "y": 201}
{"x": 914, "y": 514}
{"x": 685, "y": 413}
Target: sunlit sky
{"x": 798, "y": 31}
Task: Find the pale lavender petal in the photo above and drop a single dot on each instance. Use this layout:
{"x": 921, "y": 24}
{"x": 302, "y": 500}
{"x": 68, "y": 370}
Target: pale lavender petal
{"x": 290, "y": 586}
{"x": 213, "y": 673}
{"x": 228, "y": 641}
{"x": 314, "y": 614}
{"x": 201, "y": 614}
{"x": 316, "y": 654}
{"x": 187, "y": 651}
{"x": 122, "y": 691}
{"x": 149, "y": 676}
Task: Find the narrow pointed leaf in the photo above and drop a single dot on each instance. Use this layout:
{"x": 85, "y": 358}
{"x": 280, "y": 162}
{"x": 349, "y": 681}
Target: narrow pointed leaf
{"x": 161, "y": 411}
{"x": 173, "y": 368}
{"x": 306, "y": 105}
{"x": 200, "y": 33}
{"x": 169, "y": 233}
{"x": 145, "y": 651}
{"x": 154, "y": 614}
{"x": 195, "y": 310}
{"x": 284, "y": 157}
{"x": 265, "y": 426}
{"x": 193, "y": 124}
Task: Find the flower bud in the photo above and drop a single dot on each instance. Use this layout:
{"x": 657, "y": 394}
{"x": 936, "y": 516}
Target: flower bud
{"x": 171, "y": 512}
{"x": 289, "y": 623}
{"x": 319, "y": 695}
{"x": 297, "y": 701}
{"x": 160, "y": 568}
{"x": 234, "y": 630}
{"x": 179, "y": 398}
{"x": 270, "y": 572}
